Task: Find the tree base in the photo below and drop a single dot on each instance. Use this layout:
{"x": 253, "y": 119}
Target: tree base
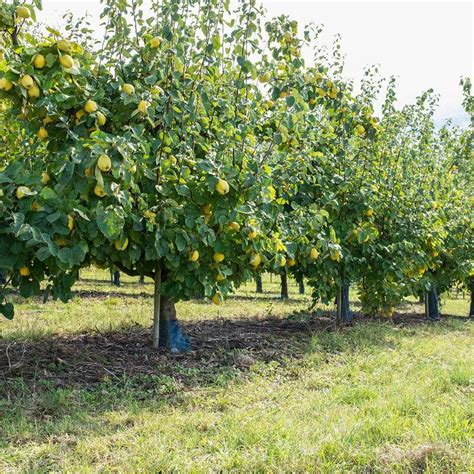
{"x": 432, "y": 305}
{"x": 284, "y": 286}
{"x": 343, "y": 313}
{"x": 173, "y": 338}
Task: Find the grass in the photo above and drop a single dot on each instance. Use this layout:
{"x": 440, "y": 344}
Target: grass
{"x": 275, "y": 389}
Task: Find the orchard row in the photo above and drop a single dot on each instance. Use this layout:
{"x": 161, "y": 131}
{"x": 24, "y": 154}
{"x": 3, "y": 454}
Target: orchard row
{"x": 199, "y": 147}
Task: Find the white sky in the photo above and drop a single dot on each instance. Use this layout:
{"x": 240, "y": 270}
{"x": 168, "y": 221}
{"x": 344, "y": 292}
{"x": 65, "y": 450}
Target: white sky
{"x": 426, "y": 44}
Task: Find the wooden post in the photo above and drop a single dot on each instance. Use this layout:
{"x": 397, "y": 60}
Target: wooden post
{"x": 157, "y": 307}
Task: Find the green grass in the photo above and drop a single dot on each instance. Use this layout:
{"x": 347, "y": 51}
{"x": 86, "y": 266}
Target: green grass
{"x": 374, "y": 397}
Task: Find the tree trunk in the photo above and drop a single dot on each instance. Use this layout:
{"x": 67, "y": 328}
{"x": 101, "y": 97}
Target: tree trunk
{"x": 284, "y": 286}
{"x": 471, "y": 311}
{"x": 259, "y": 285}
{"x": 167, "y": 332}
{"x": 421, "y": 298}
{"x": 141, "y": 280}
{"x": 301, "y": 285}
{"x": 343, "y": 314}
{"x": 432, "y": 305}
{"x": 346, "y": 313}
{"x": 116, "y": 278}
{"x": 157, "y": 307}
{"x": 171, "y": 333}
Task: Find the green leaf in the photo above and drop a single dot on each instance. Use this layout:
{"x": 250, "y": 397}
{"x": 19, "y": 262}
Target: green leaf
{"x": 7, "y": 310}
{"x": 48, "y": 194}
{"x": 43, "y": 253}
{"x": 178, "y": 64}
{"x": 110, "y": 221}
{"x": 180, "y": 242}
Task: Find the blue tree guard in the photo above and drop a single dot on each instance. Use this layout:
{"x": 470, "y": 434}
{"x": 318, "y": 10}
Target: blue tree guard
{"x": 172, "y": 336}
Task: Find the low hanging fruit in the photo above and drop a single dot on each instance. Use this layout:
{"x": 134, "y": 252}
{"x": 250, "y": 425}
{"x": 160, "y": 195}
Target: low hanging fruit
{"x": 24, "y": 271}
{"x": 193, "y": 256}
{"x": 218, "y": 257}
{"x": 255, "y": 260}
{"x": 71, "y": 223}
{"x": 104, "y": 163}
{"x": 22, "y": 191}
{"x": 336, "y": 255}
{"x": 101, "y": 119}
{"x": 39, "y": 61}
{"x": 252, "y": 234}
{"x": 314, "y": 254}
{"x": 99, "y": 191}
{"x": 33, "y": 92}
{"x": 27, "y": 81}
{"x": 42, "y": 133}
{"x": 23, "y": 12}
{"x": 155, "y": 42}
{"x": 121, "y": 245}
{"x": 45, "y": 178}
{"x": 222, "y": 187}
{"x": 64, "y": 46}
{"x": 128, "y": 89}
{"x": 90, "y": 107}
{"x": 5, "y": 84}
{"x": 66, "y": 61}
{"x": 143, "y": 106}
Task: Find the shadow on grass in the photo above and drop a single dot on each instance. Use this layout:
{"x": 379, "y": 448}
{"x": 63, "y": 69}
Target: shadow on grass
{"x": 108, "y": 283}
{"x": 267, "y": 296}
{"x": 221, "y": 346}
{"x": 105, "y": 291}
{"x": 80, "y": 376}
{"x": 104, "y": 294}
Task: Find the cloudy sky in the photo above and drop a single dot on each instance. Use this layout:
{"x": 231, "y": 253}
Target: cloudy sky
{"x": 425, "y": 43}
